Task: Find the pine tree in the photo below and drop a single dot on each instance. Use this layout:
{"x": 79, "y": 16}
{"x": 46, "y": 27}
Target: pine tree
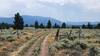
{"x": 49, "y": 25}
{"x": 63, "y": 25}
{"x": 36, "y": 25}
{"x": 26, "y": 25}
{"x": 83, "y": 26}
{"x": 4, "y": 26}
{"x": 89, "y": 26}
{"x": 18, "y": 23}
{"x": 98, "y": 26}
{"x": 42, "y": 26}
{"x": 56, "y": 26}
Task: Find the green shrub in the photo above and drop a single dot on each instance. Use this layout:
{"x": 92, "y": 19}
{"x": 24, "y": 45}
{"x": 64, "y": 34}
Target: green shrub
{"x": 72, "y": 38}
{"x": 82, "y": 45}
{"x": 10, "y": 39}
{"x": 2, "y": 38}
{"x": 93, "y": 51}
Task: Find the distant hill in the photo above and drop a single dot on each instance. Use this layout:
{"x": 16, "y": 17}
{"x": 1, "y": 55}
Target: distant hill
{"x": 31, "y": 20}
{"x": 6, "y": 20}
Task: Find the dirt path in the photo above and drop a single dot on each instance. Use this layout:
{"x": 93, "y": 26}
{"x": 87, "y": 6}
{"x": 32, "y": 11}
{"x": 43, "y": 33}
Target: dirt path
{"x": 32, "y": 48}
{"x": 44, "y": 47}
{"x": 39, "y": 46}
{"x": 16, "y": 53}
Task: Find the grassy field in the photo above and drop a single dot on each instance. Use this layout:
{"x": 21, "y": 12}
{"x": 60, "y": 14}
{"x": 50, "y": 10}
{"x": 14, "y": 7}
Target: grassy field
{"x": 42, "y": 42}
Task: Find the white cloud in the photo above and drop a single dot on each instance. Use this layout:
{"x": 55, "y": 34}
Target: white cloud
{"x": 87, "y": 4}
{"x": 86, "y": 9}
{"x": 10, "y": 7}
{"x": 29, "y": 5}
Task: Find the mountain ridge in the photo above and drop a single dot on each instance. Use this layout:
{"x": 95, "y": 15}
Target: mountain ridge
{"x": 41, "y": 19}
{"x": 31, "y": 19}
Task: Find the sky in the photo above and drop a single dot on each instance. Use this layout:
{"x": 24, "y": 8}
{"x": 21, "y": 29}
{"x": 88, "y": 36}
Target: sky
{"x": 63, "y": 10}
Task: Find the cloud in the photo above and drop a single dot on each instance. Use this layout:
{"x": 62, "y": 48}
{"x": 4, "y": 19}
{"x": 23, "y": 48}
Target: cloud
{"x": 86, "y": 4}
{"x": 60, "y": 9}
{"x": 10, "y": 7}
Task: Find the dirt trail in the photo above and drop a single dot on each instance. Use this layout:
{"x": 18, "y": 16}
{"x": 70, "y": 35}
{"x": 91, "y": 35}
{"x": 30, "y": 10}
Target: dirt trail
{"x": 42, "y": 42}
{"x": 15, "y": 53}
{"x": 31, "y": 49}
{"x": 44, "y": 48}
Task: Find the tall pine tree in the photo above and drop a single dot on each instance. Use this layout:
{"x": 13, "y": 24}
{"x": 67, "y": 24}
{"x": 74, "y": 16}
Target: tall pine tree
{"x": 56, "y": 26}
{"x": 83, "y": 26}
{"x": 49, "y": 25}
{"x": 98, "y": 26}
{"x": 89, "y": 26}
{"x": 42, "y": 26}
{"x": 63, "y": 25}
{"x": 18, "y": 23}
{"x": 36, "y": 25}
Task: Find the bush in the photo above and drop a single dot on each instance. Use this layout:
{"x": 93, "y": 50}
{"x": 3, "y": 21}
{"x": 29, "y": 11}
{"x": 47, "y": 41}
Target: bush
{"x": 82, "y": 45}
{"x": 27, "y": 38}
{"x": 10, "y": 39}
{"x": 72, "y": 38}
{"x": 2, "y": 38}
{"x": 93, "y": 51}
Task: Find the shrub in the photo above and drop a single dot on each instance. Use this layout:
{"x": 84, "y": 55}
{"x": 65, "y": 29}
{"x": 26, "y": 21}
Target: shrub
{"x": 2, "y": 38}
{"x": 72, "y": 38}
{"x": 10, "y": 39}
{"x": 82, "y": 45}
{"x": 93, "y": 51}
{"x": 27, "y": 38}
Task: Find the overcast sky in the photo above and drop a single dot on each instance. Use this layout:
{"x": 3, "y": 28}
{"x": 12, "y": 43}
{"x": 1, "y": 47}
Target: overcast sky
{"x": 64, "y": 10}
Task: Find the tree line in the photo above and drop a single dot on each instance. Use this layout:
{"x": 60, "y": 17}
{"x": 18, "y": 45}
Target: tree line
{"x": 88, "y": 26}
{"x": 49, "y": 25}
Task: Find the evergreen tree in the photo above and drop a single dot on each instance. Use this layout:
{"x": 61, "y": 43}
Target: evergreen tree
{"x": 49, "y": 25}
{"x": 56, "y": 26}
{"x": 18, "y": 23}
{"x": 83, "y": 26}
{"x": 89, "y": 26}
{"x": 36, "y": 24}
{"x": 98, "y": 26}
{"x": 26, "y": 25}
{"x": 63, "y": 25}
{"x": 42, "y": 26}
{"x": 4, "y": 26}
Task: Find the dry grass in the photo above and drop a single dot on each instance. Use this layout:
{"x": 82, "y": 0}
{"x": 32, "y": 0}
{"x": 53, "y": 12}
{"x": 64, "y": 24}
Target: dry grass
{"x": 65, "y": 46}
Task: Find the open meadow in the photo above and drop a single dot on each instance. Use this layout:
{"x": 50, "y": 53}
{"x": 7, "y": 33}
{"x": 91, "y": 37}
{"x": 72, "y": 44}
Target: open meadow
{"x": 47, "y": 42}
